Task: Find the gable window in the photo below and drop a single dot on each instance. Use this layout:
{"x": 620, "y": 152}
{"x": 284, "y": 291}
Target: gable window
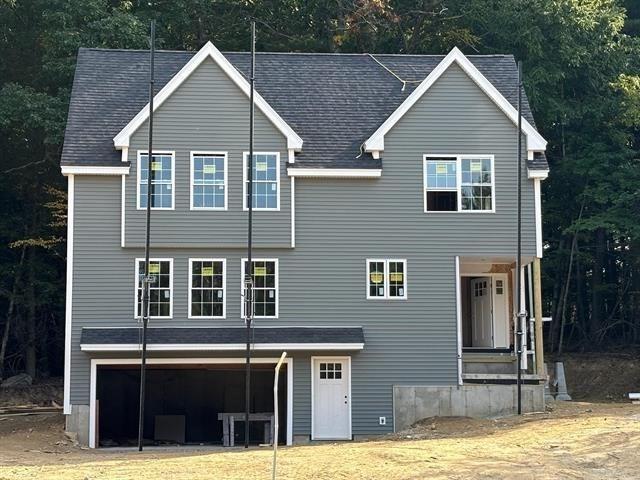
{"x": 206, "y": 288}
{"x": 160, "y": 289}
{"x": 463, "y": 183}
{"x": 387, "y": 279}
{"x": 266, "y": 181}
{"x": 162, "y": 183}
{"x": 265, "y": 286}
{"x": 208, "y": 181}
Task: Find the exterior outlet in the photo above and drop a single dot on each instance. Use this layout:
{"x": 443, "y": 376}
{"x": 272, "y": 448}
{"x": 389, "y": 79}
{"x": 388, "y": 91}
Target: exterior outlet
{"x": 382, "y": 420}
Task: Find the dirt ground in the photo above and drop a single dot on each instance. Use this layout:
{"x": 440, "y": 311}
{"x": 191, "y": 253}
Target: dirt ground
{"x": 573, "y": 441}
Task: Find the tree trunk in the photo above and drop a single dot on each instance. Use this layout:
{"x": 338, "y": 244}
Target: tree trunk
{"x": 566, "y": 292}
{"x": 10, "y": 309}
{"x": 30, "y": 344}
{"x": 597, "y": 303}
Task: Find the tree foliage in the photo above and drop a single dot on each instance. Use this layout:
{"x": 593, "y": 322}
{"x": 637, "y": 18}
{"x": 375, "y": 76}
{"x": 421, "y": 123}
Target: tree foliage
{"x": 581, "y": 74}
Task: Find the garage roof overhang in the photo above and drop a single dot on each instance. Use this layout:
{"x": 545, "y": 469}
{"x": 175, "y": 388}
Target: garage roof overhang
{"x": 222, "y": 339}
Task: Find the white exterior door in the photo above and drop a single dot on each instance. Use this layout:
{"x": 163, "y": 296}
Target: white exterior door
{"x": 481, "y": 312}
{"x": 331, "y": 398}
{"x": 500, "y": 311}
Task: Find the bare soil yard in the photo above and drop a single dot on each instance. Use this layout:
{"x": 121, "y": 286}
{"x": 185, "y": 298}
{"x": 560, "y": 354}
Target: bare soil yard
{"x": 574, "y": 440}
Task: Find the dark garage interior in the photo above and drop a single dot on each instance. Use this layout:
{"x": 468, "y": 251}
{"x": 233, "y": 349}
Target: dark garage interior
{"x": 183, "y": 402}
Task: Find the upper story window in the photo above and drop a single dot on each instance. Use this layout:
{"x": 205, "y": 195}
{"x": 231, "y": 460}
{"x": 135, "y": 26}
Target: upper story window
{"x": 266, "y": 181}
{"x": 160, "y": 289}
{"x": 463, "y": 183}
{"x": 265, "y": 286}
{"x": 387, "y": 279}
{"x": 206, "y": 288}
{"x": 208, "y": 181}
{"x": 162, "y": 180}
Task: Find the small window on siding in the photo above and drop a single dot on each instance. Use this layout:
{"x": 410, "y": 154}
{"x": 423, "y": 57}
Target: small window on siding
{"x": 265, "y": 287}
{"x": 160, "y": 289}
{"x": 162, "y": 180}
{"x": 387, "y": 279}
{"x": 441, "y": 184}
{"x": 208, "y": 181}
{"x": 207, "y": 288}
{"x": 266, "y": 181}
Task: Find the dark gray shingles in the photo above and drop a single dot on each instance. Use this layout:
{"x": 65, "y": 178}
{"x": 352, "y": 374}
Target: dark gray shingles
{"x": 333, "y": 101}
{"x": 229, "y": 335}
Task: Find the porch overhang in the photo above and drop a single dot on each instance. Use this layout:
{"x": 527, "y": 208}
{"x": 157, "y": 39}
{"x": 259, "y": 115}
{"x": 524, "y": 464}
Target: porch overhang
{"x": 181, "y": 339}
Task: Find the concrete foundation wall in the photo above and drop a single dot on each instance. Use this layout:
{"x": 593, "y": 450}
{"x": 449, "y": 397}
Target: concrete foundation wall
{"x": 413, "y": 403}
{"x": 77, "y": 424}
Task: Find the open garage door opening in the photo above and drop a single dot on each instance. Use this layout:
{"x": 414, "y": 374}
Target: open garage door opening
{"x": 187, "y": 404}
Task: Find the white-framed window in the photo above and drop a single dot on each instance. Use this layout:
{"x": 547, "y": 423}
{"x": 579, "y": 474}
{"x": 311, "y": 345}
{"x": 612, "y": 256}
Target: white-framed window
{"x": 162, "y": 183}
{"x": 207, "y": 283}
{"x": 209, "y": 181}
{"x": 386, "y": 279}
{"x": 265, "y": 286}
{"x": 160, "y": 290}
{"x": 266, "y": 181}
{"x": 459, "y": 183}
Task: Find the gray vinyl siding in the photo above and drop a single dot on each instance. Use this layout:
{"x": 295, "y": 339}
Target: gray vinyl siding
{"x": 208, "y": 113}
{"x": 339, "y": 224}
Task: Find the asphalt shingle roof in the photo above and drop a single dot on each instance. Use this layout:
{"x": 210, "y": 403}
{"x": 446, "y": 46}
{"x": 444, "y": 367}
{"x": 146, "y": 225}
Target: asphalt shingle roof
{"x": 333, "y": 101}
{"x": 228, "y": 335}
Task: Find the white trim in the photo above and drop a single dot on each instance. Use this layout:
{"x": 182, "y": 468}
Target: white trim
{"x": 458, "y": 159}
{"x": 122, "y": 212}
{"x": 538, "y": 214}
{"x": 386, "y": 278}
{"x": 347, "y": 359}
{"x": 293, "y": 212}
{"x": 224, "y": 288}
{"x": 534, "y": 139}
{"x": 135, "y": 283}
{"x": 156, "y": 153}
{"x": 245, "y": 157}
{"x": 208, "y": 50}
{"x": 227, "y": 347}
{"x": 335, "y": 172}
{"x": 86, "y": 170}
{"x": 68, "y": 310}
{"x": 458, "y": 321}
{"x": 539, "y": 174}
{"x": 182, "y": 361}
{"x": 291, "y": 155}
{"x": 243, "y": 261}
{"x": 226, "y": 180}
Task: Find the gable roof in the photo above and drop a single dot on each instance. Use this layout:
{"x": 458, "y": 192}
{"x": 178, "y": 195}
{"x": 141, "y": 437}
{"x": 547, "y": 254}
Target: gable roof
{"x": 294, "y": 141}
{"x": 375, "y": 143}
{"x": 334, "y": 102}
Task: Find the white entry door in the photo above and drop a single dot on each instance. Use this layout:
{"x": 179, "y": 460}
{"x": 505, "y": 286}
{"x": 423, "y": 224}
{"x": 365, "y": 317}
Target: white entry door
{"x": 481, "y": 312}
{"x": 331, "y": 416}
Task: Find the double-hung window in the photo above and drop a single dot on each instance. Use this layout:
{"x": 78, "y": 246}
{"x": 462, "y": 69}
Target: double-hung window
{"x": 208, "y": 181}
{"x": 265, "y": 286}
{"x": 462, "y": 183}
{"x": 160, "y": 288}
{"x": 387, "y": 279}
{"x": 162, "y": 180}
{"x": 266, "y": 181}
{"x": 206, "y": 288}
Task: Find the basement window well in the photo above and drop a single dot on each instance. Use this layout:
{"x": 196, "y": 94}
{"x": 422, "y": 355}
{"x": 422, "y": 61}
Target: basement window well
{"x": 184, "y": 404}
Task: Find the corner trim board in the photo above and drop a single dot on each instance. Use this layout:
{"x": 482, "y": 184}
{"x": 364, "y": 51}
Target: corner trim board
{"x": 69, "y": 296}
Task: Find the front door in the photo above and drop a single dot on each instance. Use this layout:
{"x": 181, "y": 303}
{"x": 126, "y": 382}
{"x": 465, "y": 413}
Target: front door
{"x": 331, "y": 398}
{"x": 481, "y": 312}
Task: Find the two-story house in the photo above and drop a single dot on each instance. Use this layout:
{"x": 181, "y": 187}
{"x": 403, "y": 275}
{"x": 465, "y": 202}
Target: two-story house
{"x": 384, "y": 232}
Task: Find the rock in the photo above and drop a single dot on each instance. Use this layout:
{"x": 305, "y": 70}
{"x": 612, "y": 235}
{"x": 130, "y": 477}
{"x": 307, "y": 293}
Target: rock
{"x": 20, "y": 380}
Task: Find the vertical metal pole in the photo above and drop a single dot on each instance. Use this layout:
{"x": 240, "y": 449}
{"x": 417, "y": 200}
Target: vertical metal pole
{"x": 249, "y": 278}
{"x": 520, "y": 315}
{"x": 146, "y": 279}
